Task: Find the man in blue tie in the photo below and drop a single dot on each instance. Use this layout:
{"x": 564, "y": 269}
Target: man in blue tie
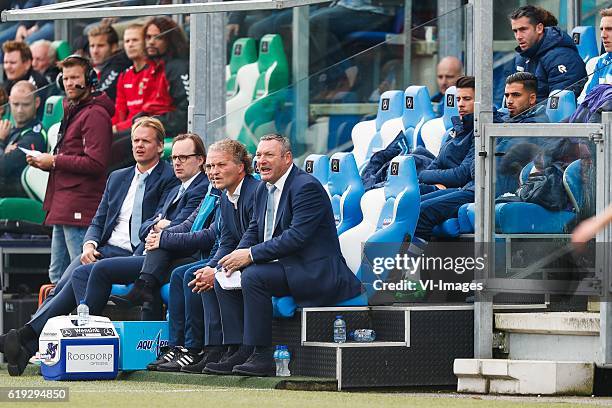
{"x": 108, "y": 235}
{"x": 290, "y": 249}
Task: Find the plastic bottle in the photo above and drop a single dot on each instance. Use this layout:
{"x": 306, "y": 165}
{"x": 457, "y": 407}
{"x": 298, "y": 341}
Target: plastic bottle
{"x": 82, "y": 314}
{"x": 363, "y": 335}
{"x": 277, "y": 360}
{"x": 339, "y": 330}
{"x": 285, "y": 358}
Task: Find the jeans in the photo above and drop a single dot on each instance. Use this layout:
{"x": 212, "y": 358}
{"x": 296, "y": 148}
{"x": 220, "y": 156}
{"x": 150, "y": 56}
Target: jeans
{"x": 66, "y": 246}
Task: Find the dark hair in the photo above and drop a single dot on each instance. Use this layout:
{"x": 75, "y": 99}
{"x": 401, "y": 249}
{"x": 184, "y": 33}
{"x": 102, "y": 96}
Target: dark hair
{"x": 72, "y": 61}
{"x": 23, "y": 48}
{"x": 105, "y": 29}
{"x": 173, "y": 35}
{"x": 536, "y": 15}
{"x": 198, "y": 144}
{"x": 466, "y": 82}
{"x": 529, "y": 81}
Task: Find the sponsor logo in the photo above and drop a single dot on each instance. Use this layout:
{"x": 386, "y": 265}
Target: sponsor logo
{"x": 384, "y": 104}
{"x": 394, "y": 168}
{"x": 409, "y": 102}
{"x": 576, "y": 38}
{"x": 95, "y": 358}
{"x": 309, "y": 166}
{"x": 153, "y": 345}
{"x": 238, "y": 49}
{"x": 554, "y": 102}
{"x": 450, "y": 101}
{"x": 562, "y": 69}
{"x": 335, "y": 165}
{"x": 265, "y": 46}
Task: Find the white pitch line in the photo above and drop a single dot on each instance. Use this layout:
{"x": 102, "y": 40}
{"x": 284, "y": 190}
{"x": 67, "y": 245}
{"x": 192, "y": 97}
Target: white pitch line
{"x": 167, "y": 391}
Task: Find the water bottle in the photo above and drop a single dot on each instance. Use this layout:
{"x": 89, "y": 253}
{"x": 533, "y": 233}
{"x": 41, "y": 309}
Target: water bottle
{"x": 83, "y": 314}
{"x": 363, "y": 335}
{"x": 339, "y": 330}
{"x": 284, "y": 358}
{"x": 277, "y": 360}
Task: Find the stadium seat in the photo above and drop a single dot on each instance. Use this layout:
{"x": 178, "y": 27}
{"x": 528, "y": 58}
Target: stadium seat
{"x": 235, "y": 107}
{"x": 273, "y": 69}
{"x": 529, "y": 218}
{"x": 390, "y": 214}
{"x": 244, "y": 52}
{"x": 590, "y": 68}
{"x": 54, "y": 111}
{"x": 453, "y": 227}
{"x": 318, "y": 166}
{"x": 560, "y": 105}
{"x": 417, "y": 109}
{"x": 390, "y": 106}
{"x": 586, "y": 42}
{"x": 62, "y": 49}
{"x": 434, "y": 131}
{"x": 345, "y": 190}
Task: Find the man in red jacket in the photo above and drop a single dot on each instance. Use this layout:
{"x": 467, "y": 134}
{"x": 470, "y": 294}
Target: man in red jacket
{"x": 77, "y": 166}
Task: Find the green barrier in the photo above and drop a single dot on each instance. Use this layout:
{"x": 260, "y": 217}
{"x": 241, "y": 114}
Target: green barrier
{"x": 54, "y": 111}
{"x": 167, "y": 149}
{"x": 62, "y": 49}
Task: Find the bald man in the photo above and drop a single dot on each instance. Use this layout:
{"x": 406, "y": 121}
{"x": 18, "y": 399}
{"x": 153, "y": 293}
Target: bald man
{"x": 27, "y": 133}
{"x": 447, "y": 72}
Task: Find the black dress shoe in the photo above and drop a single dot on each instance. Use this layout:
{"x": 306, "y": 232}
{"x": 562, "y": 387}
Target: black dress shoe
{"x": 2, "y": 337}
{"x": 15, "y": 354}
{"x": 167, "y": 355}
{"x": 141, "y": 292}
{"x": 212, "y": 355}
{"x": 183, "y": 358}
{"x": 227, "y": 363}
{"x": 257, "y": 365}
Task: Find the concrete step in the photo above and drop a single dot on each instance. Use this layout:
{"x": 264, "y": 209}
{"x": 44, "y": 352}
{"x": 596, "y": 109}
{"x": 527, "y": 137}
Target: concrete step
{"x": 498, "y": 376}
{"x": 550, "y": 336}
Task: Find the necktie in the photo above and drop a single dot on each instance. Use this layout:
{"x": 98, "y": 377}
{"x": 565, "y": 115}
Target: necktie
{"x": 136, "y": 220}
{"x": 180, "y": 194}
{"x": 270, "y": 214}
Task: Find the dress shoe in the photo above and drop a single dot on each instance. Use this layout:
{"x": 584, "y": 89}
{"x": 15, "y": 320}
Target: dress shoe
{"x": 2, "y": 337}
{"x": 141, "y": 292}
{"x": 257, "y": 365}
{"x": 183, "y": 358}
{"x": 15, "y": 354}
{"x": 228, "y": 361}
{"x": 212, "y": 355}
{"x": 167, "y": 355}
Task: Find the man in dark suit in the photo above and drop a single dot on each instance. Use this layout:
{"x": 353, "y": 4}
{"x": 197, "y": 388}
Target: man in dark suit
{"x": 93, "y": 282}
{"x": 130, "y": 197}
{"x": 290, "y": 249}
{"x": 229, "y": 166}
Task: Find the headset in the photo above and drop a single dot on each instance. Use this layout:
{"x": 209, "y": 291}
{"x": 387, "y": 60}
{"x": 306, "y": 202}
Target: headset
{"x": 91, "y": 77}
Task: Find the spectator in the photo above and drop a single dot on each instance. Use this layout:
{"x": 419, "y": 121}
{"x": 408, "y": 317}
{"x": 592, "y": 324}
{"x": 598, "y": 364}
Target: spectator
{"x": 167, "y": 77}
{"x": 108, "y": 60}
{"x": 77, "y": 166}
{"x": 27, "y": 133}
{"x": 230, "y": 167}
{"x": 603, "y": 68}
{"x": 18, "y": 67}
{"x": 108, "y": 235}
{"x": 44, "y": 59}
{"x": 295, "y": 253}
{"x": 447, "y": 72}
{"x": 130, "y": 95}
{"x": 547, "y": 52}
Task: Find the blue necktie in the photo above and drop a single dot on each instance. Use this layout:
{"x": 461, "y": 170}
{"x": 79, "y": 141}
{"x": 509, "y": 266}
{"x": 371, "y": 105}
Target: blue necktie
{"x": 136, "y": 220}
{"x": 270, "y": 214}
{"x": 179, "y": 195}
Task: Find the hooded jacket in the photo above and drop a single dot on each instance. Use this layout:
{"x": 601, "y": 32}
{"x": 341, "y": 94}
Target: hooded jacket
{"x": 109, "y": 73}
{"x": 555, "y": 61}
{"x": 82, "y": 154}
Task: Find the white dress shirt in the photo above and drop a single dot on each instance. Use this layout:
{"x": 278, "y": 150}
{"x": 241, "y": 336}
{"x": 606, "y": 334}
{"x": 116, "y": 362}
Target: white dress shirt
{"x": 233, "y": 198}
{"x": 120, "y": 237}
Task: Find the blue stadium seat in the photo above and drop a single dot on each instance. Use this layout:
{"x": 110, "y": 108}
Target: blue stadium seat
{"x": 560, "y": 105}
{"x": 586, "y": 42}
{"x": 318, "y": 166}
{"x": 434, "y": 131}
{"x": 121, "y": 290}
{"x": 528, "y": 218}
{"x": 165, "y": 293}
{"x": 390, "y": 106}
{"x": 345, "y": 190}
{"x": 466, "y": 218}
{"x": 417, "y": 110}
{"x": 390, "y": 214}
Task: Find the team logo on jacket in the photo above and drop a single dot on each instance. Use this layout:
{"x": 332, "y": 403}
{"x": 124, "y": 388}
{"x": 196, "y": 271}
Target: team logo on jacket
{"x": 562, "y": 69}
{"x": 37, "y": 128}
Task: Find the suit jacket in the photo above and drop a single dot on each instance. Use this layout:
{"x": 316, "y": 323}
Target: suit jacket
{"x": 304, "y": 241}
{"x": 178, "y": 211}
{"x": 232, "y": 223}
{"x": 158, "y": 185}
